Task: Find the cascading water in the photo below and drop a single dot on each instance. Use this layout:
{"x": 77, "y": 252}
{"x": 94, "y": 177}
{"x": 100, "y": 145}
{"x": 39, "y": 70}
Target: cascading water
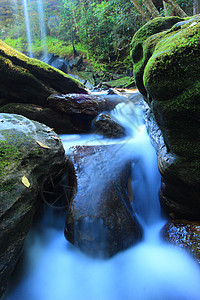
{"x": 26, "y": 4}
{"x": 42, "y": 26}
{"x": 28, "y": 31}
{"x": 55, "y": 270}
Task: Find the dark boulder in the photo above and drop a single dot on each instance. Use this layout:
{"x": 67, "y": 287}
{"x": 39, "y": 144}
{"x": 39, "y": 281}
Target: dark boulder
{"x": 100, "y": 219}
{"x": 85, "y": 105}
{"x": 29, "y": 153}
{"x": 184, "y": 234}
{"x": 60, "y": 64}
{"x": 59, "y": 121}
{"x": 108, "y": 126}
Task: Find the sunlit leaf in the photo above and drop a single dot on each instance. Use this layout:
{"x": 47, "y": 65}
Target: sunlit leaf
{"x": 50, "y": 130}
{"x": 25, "y": 181}
{"x": 42, "y": 145}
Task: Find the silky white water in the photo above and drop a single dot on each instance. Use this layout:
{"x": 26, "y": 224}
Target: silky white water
{"x": 53, "y": 269}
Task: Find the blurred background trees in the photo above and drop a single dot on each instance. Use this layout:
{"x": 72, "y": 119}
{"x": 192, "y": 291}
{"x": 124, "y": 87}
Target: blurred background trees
{"x": 102, "y": 29}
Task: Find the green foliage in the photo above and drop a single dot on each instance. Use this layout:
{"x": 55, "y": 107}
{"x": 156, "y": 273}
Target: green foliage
{"x": 104, "y": 27}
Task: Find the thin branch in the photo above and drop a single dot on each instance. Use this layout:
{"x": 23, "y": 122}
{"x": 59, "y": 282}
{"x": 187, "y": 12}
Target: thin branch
{"x": 151, "y": 8}
{"x": 180, "y": 12}
{"x": 140, "y": 9}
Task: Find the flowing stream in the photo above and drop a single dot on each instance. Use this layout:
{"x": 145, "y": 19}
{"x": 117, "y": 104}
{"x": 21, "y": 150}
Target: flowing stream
{"x": 53, "y": 269}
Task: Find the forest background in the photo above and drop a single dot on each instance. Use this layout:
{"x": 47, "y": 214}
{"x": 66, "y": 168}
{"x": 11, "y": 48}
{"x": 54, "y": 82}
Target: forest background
{"x": 100, "y": 29}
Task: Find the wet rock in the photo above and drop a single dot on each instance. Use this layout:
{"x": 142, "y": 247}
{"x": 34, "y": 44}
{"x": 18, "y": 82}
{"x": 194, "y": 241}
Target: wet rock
{"x": 23, "y": 161}
{"x": 87, "y": 105}
{"x": 75, "y": 62}
{"x": 168, "y": 76}
{"x": 100, "y": 219}
{"x": 184, "y": 234}
{"x": 112, "y": 91}
{"x": 108, "y": 126}
{"x": 59, "y": 121}
{"x": 31, "y": 81}
{"x": 60, "y": 64}
{"x": 179, "y": 192}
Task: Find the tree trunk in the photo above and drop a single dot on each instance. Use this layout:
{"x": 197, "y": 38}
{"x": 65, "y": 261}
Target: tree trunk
{"x": 151, "y": 8}
{"x": 165, "y": 9}
{"x": 196, "y": 7}
{"x": 168, "y": 10}
{"x": 176, "y": 8}
{"x": 140, "y": 9}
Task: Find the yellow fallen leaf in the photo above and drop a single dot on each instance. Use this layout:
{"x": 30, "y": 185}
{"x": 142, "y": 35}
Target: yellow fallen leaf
{"x": 25, "y": 181}
{"x": 42, "y": 145}
{"x": 49, "y": 130}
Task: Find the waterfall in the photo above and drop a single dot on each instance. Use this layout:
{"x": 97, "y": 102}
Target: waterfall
{"x": 28, "y": 31}
{"x": 54, "y": 269}
{"x": 42, "y": 26}
{"x": 41, "y": 20}
{"x": 145, "y": 174}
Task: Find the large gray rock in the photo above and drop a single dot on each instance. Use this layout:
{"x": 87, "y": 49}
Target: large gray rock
{"x": 21, "y": 156}
{"x": 100, "y": 219}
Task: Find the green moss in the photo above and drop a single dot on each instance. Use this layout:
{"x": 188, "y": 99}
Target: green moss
{"x": 175, "y": 55}
{"x": 143, "y": 44}
{"x": 167, "y": 72}
{"x": 122, "y": 82}
{"x": 8, "y": 154}
{"x": 30, "y": 79}
{"x": 9, "y": 186}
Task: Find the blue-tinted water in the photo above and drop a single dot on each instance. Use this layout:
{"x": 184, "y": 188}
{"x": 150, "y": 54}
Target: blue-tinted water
{"x": 53, "y": 269}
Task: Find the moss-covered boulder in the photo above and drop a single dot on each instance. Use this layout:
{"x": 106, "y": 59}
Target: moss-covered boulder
{"x": 166, "y": 60}
{"x": 25, "y": 164}
{"x": 28, "y": 80}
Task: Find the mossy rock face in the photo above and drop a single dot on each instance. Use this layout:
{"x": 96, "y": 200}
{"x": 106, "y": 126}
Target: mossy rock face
{"x": 20, "y": 154}
{"x": 167, "y": 72}
{"x": 28, "y": 80}
{"x": 166, "y": 67}
{"x": 143, "y": 44}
